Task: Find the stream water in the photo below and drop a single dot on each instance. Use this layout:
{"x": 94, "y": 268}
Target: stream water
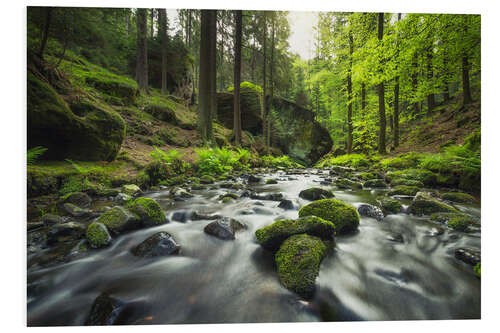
{"x": 394, "y": 269}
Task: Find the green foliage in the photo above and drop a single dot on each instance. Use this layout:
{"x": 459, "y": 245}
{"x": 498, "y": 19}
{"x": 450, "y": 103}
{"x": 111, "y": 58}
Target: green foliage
{"x": 284, "y": 161}
{"x": 248, "y": 86}
{"x": 170, "y": 156}
{"x": 222, "y": 160}
{"x": 403, "y": 161}
{"x": 345, "y": 217}
{"x": 350, "y": 160}
{"x": 148, "y": 210}
{"x": 34, "y": 154}
{"x": 477, "y": 269}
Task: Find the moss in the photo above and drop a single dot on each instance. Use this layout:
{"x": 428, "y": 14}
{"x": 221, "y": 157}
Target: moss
{"x": 173, "y": 181}
{"x": 148, "y": 210}
{"x": 207, "y": 179}
{"x": 41, "y": 183}
{"x": 458, "y": 197}
{"x": 273, "y": 235}
{"x": 158, "y": 171}
{"x": 428, "y": 178}
{"x": 298, "y": 261}
{"x": 163, "y": 111}
{"x": 97, "y": 235}
{"x": 51, "y": 124}
{"x": 228, "y": 195}
{"x": 407, "y": 182}
{"x": 227, "y": 200}
{"x": 76, "y": 184}
{"x": 345, "y": 217}
{"x": 404, "y": 190}
{"x": 477, "y": 269}
{"x": 118, "y": 219}
{"x": 375, "y": 183}
{"x": 389, "y": 205}
{"x": 424, "y": 204}
{"x": 369, "y": 175}
{"x": 271, "y": 181}
{"x": 131, "y": 189}
{"x": 459, "y": 223}
{"x": 316, "y": 193}
{"x": 347, "y": 183}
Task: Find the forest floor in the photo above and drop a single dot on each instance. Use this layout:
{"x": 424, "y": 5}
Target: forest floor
{"x": 450, "y": 125}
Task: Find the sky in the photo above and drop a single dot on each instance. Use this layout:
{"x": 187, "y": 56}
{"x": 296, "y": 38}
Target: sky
{"x": 301, "y": 27}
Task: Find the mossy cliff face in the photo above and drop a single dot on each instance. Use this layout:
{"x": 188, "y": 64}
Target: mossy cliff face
{"x": 296, "y": 132}
{"x": 250, "y": 106}
{"x": 298, "y": 261}
{"x": 272, "y": 236}
{"x": 345, "y": 217}
{"x": 97, "y": 136}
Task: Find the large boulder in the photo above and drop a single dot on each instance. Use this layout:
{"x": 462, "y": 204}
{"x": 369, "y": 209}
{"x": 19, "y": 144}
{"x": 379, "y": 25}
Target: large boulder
{"x": 159, "y": 244}
{"x": 424, "y": 204}
{"x": 345, "y": 217}
{"x": 250, "y": 104}
{"x": 97, "y": 235}
{"x": 316, "y": 193}
{"x": 95, "y": 135}
{"x": 273, "y": 235}
{"x": 118, "y": 220}
{"x": 298, "y": 261}
{"x": 224, "y": 228}
{"x": 148, "y": 210}
{"x": 297, "y": 133}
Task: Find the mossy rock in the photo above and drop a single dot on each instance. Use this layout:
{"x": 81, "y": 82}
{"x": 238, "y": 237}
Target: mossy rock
{"x": 227, "y": 200}
{"x": 228, "y": 195}
{"x": 41, "y": 183}
{"x": 271, "y": 181}
{"x": 370, "y": 175}
{"x": 207, "y": 179}
{"x": 114, "y": 86}
{"x": 273, "y": 235}
{"x": 428, "y": 178}
{"x": 97, "y": 235}
{"x": 456, "y": 220}
{"x": 477, "y": 269}
{"x": 404, "y": 190}
{"x": 157, "y": 171}
{"x": 316, "y": 193}
{"x": 162, "y": 112}
{"x": 407, "y": 182}
{"x": 148, "y": 210}
{"x": 345, "y": 183}
{"x": 375, "y": 183}
{"x": 298, "y": 261}
{"x": 95, "y": 137}
{"x": 345, "y": 217}
{"x": 458, "y": 197}
{"x": 389, "y": 205}
{"x": 424, "y": 204}
{"x": 118, "y": 220}
{"x": 131, "y": 189}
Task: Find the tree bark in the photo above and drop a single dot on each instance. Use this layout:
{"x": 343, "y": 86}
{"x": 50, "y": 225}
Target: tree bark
{"x": 264, "y": 80}
{"x": 205, "y": 79}
{"x": 396, "y": 99}
{"x": 142, "y": 50}
{"x": 465, "y": 80}
{"x": 430, "y": 97}
{"x": 349, "y": 96}
{"x": 152, "y": 22}
{"x": 381, "y": 93}
{"x": 48, "y": 19}
{"x": 163, "y": 32}
{"x": 237, "y": 77}
{"x": 213, "y": 67}
{"x": 271, "y": 85}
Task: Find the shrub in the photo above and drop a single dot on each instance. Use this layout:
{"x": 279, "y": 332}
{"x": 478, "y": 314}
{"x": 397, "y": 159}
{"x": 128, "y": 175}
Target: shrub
{"x": 350, "y": 160}
{"x": 403, "y": 161}
{"x": 279, "y": 162}
{"x": 34, "y": 154}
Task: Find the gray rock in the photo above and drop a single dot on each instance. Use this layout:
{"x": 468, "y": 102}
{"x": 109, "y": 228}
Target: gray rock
{"x": 121, "y": 198}
{"x": 159, "y": 244}
{"x": 105, "y": 311}
{"x": 181, "y": 216}
{"x": 75, "y": 211}
{"x": 315, "y": 193}
{"x": 224, "y": 228}
{"x": 370, "y": 211}
{"x": 469, "y": 256}
{"x": 253, "y": 179}
{"x": 65, "y": 231}
{"x": 286, "y": 204}
{"x": 79, "y": 199}
{"x": 50, "y": 219}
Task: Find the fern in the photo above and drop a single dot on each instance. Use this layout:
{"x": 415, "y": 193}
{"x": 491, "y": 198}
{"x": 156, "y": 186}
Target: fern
{"x": 34, "y": 154}
{"x": 81, "y": 170}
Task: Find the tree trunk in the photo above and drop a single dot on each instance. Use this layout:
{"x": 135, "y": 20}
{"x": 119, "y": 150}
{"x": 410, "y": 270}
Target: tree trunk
{"x": 381, "y": 92}
{"x": 152, "y": 22}
{"x": 142, "y": 50}
{"x": 271, "y": 85}
{"x": 396, "y": 99}
{"x": 446, "y": 88}
{"x": 204, "y": 90}
{"x": 264, "y": 81}
{"x": 213, "y": 68}
{"x": 414, "y": 81}
{"x": 252, "y": 73}
{"x": 163, "y": 32}
{"x": 349, "y": 96}
{"x": 127, "y": 23}
{"x": 48, "y": 18}
{"x": 221, "y": 69}
{"x": 430, "y": 97}
{"x": 237, "y": 77}
{"x": 465, "y": 80}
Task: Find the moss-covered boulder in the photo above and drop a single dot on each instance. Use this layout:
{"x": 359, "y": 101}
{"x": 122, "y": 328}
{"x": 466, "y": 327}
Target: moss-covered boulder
{"x": 273, "y": 235}
{"x": 404, "y": 190}
{"x": 250, "y": 104}
{"x": 370, "y": 175}
{"x": 116, "y": 88}
{"x": 389, "y": 205}
{"x": 298, "y": 261}
{"x": 424, "y": 204}
{"x": 345, "y": 217}
{"x": 456, "y": 220}
{"x": 119, "y": 219}
{"x": 426, "y": 177}
{"x": 207, "y": 179}
{"x": 315, "y": 193}
{"x": 458, "y": 197}
{"x": 375, "y": 183}
{"x": 97, "y": 135}
{"x": 162, "y": 111}
{"x": 131, "y": 189}
{"x": 344, "y": 183}
{"x": 148, "y": 210}
{"x": 297, "y": 133}
{"x": 97, "y": 235}
{"x": 407, "y": 182}
{"x": 41, "y": 183}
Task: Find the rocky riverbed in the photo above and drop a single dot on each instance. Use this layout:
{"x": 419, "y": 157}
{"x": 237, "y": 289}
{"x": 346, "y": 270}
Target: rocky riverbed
{"x": 196, "y": 253}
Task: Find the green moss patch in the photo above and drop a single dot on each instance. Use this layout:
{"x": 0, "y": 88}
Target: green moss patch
{"x": 404, "y": 190}
{"x": 97, "y": 235}
{"x": 458, "y": 197}
{"x": 389, "y": 205}
{"x": 118, "y": 219}
{"x": 273, "y": 235}
{"x": 424, "y": 204}
{"x": 345, "y": 217}
{"x": 298, "y": 261}
{"x": 316, "y": 193}
{"x": 428, "y": 178}
{"x": 148, "y": 210}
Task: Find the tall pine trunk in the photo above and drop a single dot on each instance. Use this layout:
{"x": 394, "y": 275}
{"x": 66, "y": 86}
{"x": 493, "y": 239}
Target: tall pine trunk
{"x": 163, "y": 32}
{"x": 349, "y": 96}
{"x": 264, "y": 80}
{"x": 213, "y": 67}
{"x": 142, "y": 50}
{"x": 271, "y": 85}
{"x": 465, "y": 80}
{"x": 205, "y": 80}
{"x": 396, "y": 98}
{"x": 237, "y": 76}
{"x": 381, "y": 93}
{"x": 46, "y": 26}
{"x": 152, "y": 22}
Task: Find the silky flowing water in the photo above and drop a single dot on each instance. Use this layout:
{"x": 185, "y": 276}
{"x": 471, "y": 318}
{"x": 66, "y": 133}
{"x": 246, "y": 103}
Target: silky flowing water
{"x": 369, "y": 276}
